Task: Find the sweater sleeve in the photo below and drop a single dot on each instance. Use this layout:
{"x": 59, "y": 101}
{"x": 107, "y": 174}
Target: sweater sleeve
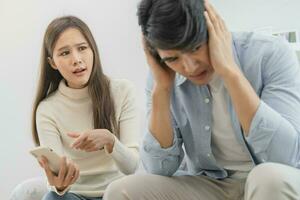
{"x": 49, "y": 136}
{"x": 125, "y": 150}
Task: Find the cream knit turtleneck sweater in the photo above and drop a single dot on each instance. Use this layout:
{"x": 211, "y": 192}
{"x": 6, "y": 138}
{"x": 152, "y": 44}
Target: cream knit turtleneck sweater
{"x": 70, "y": 110}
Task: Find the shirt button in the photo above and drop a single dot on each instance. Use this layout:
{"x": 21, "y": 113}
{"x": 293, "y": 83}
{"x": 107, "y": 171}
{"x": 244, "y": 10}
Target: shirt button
{"x": 206, "y": 100}
{"x": 208, "y": 155}
{"x": 207, "y": 128}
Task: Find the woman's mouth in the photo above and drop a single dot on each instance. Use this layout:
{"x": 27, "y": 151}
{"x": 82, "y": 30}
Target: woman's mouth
{"x": 79, "y": 71}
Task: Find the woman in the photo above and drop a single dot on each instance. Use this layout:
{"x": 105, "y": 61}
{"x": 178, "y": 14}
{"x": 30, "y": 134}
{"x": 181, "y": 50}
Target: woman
{"x": 87, "y": 118}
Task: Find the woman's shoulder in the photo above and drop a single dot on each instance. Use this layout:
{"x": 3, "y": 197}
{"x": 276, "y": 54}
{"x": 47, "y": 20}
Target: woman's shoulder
{"x": 121, "y": 86}
{"x": 46, "y": 104}
{"x": 123, "y": 92}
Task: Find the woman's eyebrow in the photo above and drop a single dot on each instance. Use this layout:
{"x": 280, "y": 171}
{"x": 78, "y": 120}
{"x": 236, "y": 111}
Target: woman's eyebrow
{"x": 64, "y": 47}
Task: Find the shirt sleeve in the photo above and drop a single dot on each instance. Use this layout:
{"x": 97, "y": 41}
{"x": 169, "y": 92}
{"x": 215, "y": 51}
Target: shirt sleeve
{"x": 158, "y": 160}
{"x": 125, "y": 150}
{"x": 49, "y": 136}
{"x": 274, "y": 130}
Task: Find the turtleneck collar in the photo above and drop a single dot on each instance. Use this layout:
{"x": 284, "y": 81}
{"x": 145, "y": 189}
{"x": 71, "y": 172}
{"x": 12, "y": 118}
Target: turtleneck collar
{"x": 71, "y": 92}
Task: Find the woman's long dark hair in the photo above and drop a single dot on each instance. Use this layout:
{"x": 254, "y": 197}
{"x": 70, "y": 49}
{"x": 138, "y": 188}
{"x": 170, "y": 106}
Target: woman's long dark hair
{"x": 98, "y": 84}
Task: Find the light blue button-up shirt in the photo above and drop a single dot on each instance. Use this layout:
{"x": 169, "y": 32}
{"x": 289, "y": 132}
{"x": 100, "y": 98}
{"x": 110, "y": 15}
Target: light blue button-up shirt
{"x": 272, "y": 69}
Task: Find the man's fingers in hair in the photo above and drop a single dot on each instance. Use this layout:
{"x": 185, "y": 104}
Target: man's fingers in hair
{"x": 210, "y": 27}
{"x": 215, "y": 19}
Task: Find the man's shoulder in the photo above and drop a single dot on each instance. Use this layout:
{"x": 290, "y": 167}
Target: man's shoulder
{"x": 261, "y": 54}
{"x": 251, "y": 48}
{"x": 250, "y": 40}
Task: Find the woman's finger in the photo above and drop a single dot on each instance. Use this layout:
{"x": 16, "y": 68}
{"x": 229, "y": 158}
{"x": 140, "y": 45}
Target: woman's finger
{"x": 73, "y": 134}
{"x": 70, "y": 175}
{"x": 89, "y": 147}
{"x": 76, "y": 175}
{"x": 84, "y": 143}
{"x": 79, "y": 141}
{"x": 41, "y": 163}
{"x": 62, "y": 169}
{"x": 93, "y": 148}
{"x": 49, "y": 173}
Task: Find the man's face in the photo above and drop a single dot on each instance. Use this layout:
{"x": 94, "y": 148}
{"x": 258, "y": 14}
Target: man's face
{"x": 195, "y": 65}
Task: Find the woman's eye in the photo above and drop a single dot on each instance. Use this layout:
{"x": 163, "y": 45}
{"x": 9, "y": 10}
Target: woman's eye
{"x": 64, "y": 53}
{"x": 82, "y": 48}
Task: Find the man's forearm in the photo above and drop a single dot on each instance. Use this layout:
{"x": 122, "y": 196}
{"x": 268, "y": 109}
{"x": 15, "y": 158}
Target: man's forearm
{"x": 160, "y": 123}
{"x": 243, "y": 96}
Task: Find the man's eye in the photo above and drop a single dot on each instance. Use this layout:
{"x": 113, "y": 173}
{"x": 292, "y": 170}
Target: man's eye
{"x": 170, "y": 60}
{"x": 64, "y": 53}
{"x": 196, "y": 48}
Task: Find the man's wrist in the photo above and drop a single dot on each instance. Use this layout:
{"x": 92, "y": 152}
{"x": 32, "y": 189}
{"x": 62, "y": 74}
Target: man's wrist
{"x": 232, "y": 75}
{"x": 161, "y": 93}
{"x": 160, "y": 89}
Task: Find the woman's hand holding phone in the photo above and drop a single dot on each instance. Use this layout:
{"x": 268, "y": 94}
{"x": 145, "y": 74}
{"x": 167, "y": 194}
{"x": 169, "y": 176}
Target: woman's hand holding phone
{"x": 67, "y": 175}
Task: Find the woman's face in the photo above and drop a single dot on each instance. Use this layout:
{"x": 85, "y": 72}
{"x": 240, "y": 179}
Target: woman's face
{"x": 73, "y": 58}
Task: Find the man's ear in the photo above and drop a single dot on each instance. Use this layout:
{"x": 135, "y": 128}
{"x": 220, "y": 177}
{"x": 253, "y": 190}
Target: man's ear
{"x": 51, "y": 62}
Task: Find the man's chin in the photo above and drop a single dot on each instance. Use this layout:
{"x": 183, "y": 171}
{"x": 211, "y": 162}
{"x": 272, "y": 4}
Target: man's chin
{"x": 202, "y": 81}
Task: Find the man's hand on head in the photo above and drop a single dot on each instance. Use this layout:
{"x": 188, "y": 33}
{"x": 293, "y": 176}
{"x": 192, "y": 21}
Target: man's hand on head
{"x": 220, "y": 42}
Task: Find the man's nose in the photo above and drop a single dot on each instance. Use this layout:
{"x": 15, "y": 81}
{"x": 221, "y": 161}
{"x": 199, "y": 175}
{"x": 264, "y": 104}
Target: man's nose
{"x": 190, "y": 64}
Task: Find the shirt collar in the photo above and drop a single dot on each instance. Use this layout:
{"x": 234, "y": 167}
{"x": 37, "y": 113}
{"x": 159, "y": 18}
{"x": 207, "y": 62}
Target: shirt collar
{"x": 179, "y": 79}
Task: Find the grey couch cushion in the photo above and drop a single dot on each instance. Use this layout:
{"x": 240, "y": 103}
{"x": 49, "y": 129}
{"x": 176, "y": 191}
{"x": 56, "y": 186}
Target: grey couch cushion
{"x": 31, "y": 189}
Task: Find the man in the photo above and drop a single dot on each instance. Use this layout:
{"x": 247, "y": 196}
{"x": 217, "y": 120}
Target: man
{"x": 232, "y": 101}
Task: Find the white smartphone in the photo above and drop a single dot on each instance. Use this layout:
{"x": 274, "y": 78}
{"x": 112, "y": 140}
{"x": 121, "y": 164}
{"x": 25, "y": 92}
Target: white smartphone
{"x": 53, "y": 158}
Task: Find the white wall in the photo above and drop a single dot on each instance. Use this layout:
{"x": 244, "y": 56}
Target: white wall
{"x": 114, "y": 25}
{"x": 22, "y": 25}
{"x": 252, "y": 14}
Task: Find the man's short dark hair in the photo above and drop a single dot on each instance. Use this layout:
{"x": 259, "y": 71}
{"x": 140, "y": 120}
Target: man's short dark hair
{"x": 173, "y": 24}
